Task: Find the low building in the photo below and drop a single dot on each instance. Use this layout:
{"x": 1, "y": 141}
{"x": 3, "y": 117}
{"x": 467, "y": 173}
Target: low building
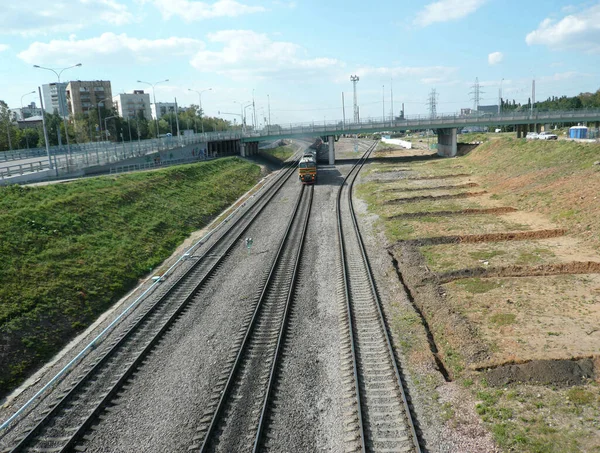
{"x": 26, "y": 112}
{"x": 85, "y": 95}
{"x": 130, "y": 104}
{"x": 492, "y": 109}
{"x": 30, "y": 122}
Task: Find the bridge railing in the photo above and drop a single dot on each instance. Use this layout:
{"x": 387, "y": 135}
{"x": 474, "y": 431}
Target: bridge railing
{"x": 417, "y": 121}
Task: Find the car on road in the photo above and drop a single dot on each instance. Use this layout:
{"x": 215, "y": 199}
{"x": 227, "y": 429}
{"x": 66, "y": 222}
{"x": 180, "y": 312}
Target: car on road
{"x": 547, "y": 136}
{"x": 532, "y": 136}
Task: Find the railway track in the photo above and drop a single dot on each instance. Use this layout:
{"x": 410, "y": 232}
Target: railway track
{"x": 379, "y": 419}
{"x": 63, "y": 420}
{"x": 241, "y": 402}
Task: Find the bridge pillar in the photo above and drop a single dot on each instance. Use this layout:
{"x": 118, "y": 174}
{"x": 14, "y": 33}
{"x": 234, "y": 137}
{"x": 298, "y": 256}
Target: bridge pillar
{"x": 538, "y": 128}
{"x": 331, "y": 140}
{"x": 519, "y": 131}
{"x": 242, "y": 149}
{"x": 447, "y": 146}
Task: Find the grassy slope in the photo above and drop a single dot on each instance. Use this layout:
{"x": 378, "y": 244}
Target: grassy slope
{"x": 69, "y": 251}
{"x": 560, "y": 180}
{"x": 282, "y": 153}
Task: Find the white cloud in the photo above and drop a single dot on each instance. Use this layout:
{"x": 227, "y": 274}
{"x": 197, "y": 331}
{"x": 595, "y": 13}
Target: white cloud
{"x": 560, "y": 76}
{"x": 108, "y": 48}
{"x": 576, "y": 31}
{"x": 446, "y": 10}
{"x": 495, "y": 57}
{"x": 190, "y": 10}
{"x": 4, "y": 47}
{"x": 35, "y": 17}
{"x": 247, "y": 54}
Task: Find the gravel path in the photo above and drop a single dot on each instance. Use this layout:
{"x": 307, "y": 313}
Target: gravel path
{"x": 308, "y": 403}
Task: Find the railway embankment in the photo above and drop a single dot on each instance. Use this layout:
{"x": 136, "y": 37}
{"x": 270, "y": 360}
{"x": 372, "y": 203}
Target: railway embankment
{"x": 70, "y": 251}
{"x": 504, "y": 286}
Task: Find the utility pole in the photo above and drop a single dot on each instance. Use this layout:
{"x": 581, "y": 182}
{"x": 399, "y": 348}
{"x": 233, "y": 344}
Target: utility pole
{"x": 177, "y": 120}
{"x": 343, "y": 112}
{"x": 392, "y": 97}
{"x": 253, "y": 111}
{"x": 432, "y": 104}
{"x": 383, "y": 102}
{"x": 354, "y": 79}
{"x": 269, "y": 107}
{"x": 532, "y": 94}
{"x": 476, "y": 94}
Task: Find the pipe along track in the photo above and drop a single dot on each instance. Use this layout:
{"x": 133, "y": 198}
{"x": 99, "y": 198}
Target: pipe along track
{"x": 238, "y": 416}
{"x": 66, "y": 418}
{"x": 382, "y": 419}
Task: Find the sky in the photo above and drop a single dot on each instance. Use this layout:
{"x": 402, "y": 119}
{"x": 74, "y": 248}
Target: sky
{"x": 295, "y": 58}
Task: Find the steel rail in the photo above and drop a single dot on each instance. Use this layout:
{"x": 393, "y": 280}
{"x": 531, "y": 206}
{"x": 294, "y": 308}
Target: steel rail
{"x": 409, "y": 415}
{"x": 280, "y": 340}
{"x": 32, "y": 434}
{"x": 349, "y": 308}
{"x": 350, "y": 179}
{"x": 225, "y": 393}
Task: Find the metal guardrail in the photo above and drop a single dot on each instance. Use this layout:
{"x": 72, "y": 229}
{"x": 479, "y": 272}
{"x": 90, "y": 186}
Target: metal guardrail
{"x": 378, "y": 124}
{"x": 147, "y": 165}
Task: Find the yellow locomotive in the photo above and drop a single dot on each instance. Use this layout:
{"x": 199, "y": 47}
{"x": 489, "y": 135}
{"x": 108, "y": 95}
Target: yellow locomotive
{"x": 307, "y": 169}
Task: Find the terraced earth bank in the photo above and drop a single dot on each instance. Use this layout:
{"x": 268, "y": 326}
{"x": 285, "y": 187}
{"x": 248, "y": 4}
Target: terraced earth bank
{"x": 499, "y": 252}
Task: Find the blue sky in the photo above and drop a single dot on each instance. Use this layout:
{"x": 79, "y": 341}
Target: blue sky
{"x": 302, "y": 53}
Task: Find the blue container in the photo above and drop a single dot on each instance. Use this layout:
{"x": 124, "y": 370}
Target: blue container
{"x": 578, "y": 132}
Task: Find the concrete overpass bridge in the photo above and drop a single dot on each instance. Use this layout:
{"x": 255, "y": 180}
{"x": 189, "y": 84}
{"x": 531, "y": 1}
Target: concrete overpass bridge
{"x": 24, "y": 165}
{"x": 445, "y": 125}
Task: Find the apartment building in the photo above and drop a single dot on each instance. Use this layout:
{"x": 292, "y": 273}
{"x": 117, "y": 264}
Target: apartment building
{"x": 162, "y": 108}
{"x": 54, "y": 95}
{"x": 85, "y": 95}
{"x": 130, "y": 104}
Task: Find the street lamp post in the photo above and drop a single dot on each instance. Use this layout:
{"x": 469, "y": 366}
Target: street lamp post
{"x": 60, "y": 100}
{"x": 106, "y": 127}
{"x": 23, "y": 115}
{"x": 200, "y": 105}
{"x": 245, "y": 107}
{"x": 242, "y": 112}
{"x": 154, "y": 97}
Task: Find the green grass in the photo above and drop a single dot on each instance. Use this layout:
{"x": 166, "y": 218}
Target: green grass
{"x": 478, "y": 285}
{"x": 69, "y": 251}
{"x": 486, "y": 254}
{"x": 515, "y": 430}
{"x": 503, "y": 319}
{"x": 282, "y": 153}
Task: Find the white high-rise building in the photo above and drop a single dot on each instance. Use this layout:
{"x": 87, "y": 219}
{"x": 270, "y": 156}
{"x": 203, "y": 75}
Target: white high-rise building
{"x": 162, "y": 108}
{"x": 51, "y": 93}
{"x": 130, "y": 104}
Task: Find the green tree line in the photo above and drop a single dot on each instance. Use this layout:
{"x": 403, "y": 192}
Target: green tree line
{"x": 581, "y": 101}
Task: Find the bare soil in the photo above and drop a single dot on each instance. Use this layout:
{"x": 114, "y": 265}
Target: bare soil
{"x": 509, "y": 296}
